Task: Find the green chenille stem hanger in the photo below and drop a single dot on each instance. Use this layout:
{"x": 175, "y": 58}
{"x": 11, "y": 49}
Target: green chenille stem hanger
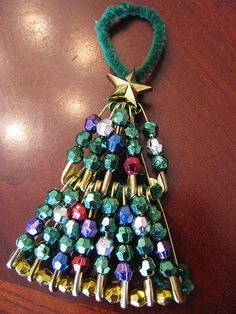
{"x": 122, "y": 11}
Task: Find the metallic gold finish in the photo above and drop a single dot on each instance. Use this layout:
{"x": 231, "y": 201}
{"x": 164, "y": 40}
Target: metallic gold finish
{"x": 114, "y": 188}
{"x": 99, "y": 291}
{"x": 104, "y": 109}
{"x": 65, "y": 285}
{"x": 176, "y": 290}
{"x": 44, "y": 276}
{"x": 34, "y": 270}
{"x": 76, "y": 290}
{"x": 15, "y": 257}
{"x": 148, "y": 288}
{"x": 87, "y": 177}
{"x": 22, "y": 268}
{"x": 124, "y": 298}
{"x": 143, "y": 112}
{"x": 53, "y": 285}
{"x": 88, "y": 287}
{"x": 113, "y": 294}
{"x": 138, "y": 298}
{"x": 148, "y": 194}
{"x": 161, "y": 180}
{"x": 133, "y": 185}
{"x": 163, "y": 296}
{"x": 106, "y": 182}
{"x": 97, "y": 185}
{"x": 124, "y": 191}
{"x": 69, "y": 171}
{"x": 140, "y": 190}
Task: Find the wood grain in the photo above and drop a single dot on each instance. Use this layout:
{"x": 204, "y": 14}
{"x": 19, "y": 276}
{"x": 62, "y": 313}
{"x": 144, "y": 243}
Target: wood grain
{"x": 53, "y": 75}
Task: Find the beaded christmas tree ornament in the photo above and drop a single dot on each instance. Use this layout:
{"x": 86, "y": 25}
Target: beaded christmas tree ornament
{"x": 105, "y": 232}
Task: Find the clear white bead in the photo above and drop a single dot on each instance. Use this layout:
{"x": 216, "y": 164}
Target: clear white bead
{"x": 104, "y": 246}
{"x": 104, "y": 127}
{"x": 140, "y": 225}
{"x": 154, "y": 146}
{"x": 60, "y": 214}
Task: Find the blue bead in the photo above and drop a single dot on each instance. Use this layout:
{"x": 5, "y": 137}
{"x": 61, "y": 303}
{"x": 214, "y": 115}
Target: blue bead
{"x": 125, "y": 216}
{"x": 34, "y": 226}
{"x": 60, "y": 262}
{"x": 115, "y": 143}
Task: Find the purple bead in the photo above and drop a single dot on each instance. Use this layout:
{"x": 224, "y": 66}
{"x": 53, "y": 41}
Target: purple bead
{"x": 115, "y": 143}
{"x": 125, "y": 216}
{"x": 60, "y": 261}
{"x": 163, "y": 249}
{"x": 91, "y": 123}
{"x": 34, "y": 226}
{"x": 123, "y": 272}
{"x": 89, "y": 228}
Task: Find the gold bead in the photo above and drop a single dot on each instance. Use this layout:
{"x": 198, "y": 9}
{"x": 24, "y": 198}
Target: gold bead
{"x": 88, "y": 287}
{"x": 137, "y": 298}
{"x": 65, "y": 285}
{"x": 112, "y": 294}
{"x": 44, "y": 276}
{"x": 22, "y": 268}
{"x": 163, "y": 296}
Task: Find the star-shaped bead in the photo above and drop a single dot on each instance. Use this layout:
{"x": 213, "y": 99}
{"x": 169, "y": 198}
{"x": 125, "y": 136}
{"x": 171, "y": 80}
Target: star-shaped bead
{"x": 127, "y": 88}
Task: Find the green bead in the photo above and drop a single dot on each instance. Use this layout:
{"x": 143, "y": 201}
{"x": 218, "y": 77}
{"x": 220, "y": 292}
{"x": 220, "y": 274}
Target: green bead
{"x": 53, "y": 197}
{"x": 71, "y": 228}
{"x": 97, "y": 145}
{"x": 92, "y": 162}
{"x": 182, "y": 271}
{"x": 75, "y": 154}
{"x": 124, "y": 253}
{"x": 102, "y": 265}
{"x": 51, "y": 234}
{"x": 157, "y": 231}
{"x": 148, "y": 267}
{"x": 144, "y": 246}
{"x": 111, "y": 162}
{"x": 110, "y": 205}
{"x": 83, "y": 139}
{"x": 124, "y": 234}
{"x": 108, "y": 225}
{"x": 93, "y": 200}
{"x": 134, "y": 147}
{"x": 154, "y": 214}
{"x": 159, "y": 162}
{"x": 167, "y": 269}
{"x": 131, "y": 131}
{"x": 161, "y": 282}
{"x": 66, "y": 244}
{"x": 187, "y": 286}
{"x": 44, "y": 212}
{"x": 150, "y": 129}
{"x": 24, "y": 242}
{"x": 139, "y": 205}
{"x": 70, "y": 197}
{"x": 120, "y": 117}
{"x": 42, "y": 251}
{"x": 156, "y": 191}
{"x": 84, "y": 246}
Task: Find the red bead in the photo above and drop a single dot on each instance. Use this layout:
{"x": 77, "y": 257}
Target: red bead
{"x": 132, "y": 165}
{"x": 80, "y": 263}
{"x": 79, "y": 212}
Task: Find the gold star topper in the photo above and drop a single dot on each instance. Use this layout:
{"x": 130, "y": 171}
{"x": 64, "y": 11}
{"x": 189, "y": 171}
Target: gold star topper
{"x": 127, "y": 88}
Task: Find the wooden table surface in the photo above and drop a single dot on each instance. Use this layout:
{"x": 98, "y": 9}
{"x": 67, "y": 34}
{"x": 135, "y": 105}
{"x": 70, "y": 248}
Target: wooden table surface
{"x": 53, "y": 75}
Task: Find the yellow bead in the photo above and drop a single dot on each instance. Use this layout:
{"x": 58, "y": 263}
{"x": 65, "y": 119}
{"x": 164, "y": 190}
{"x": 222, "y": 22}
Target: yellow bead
{"x": 44, "y": 276}
{"x": 163, "y": 297}
{"x": 137, "y": 298}
{"x": 112, "y": 294}
{"x": 65, "y": 285}
{"x": 22, "y": 268}
{"x": 88, "y": 287}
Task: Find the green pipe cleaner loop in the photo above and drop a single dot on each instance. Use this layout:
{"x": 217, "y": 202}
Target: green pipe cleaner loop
{"x": 121, "y": 11}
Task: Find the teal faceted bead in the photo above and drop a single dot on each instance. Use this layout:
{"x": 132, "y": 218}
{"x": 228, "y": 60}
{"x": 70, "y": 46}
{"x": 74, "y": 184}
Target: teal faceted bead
{"x": 124, "y": 253}
{"x": 51, "y": 234}
{"x": 75, "y": 154}
{"x": 120, "y": 117}
{"x": 97, "y": 145}
{"x": 92, "y": 162}
{"x": 84, "y": 246}
{"x": 102, "y": 265}
{"x": 124, "y": 234}
{"x": 111, "y": 162}
{"x": 134, "y": 147}
{"x": 53, "y": 197}
{"x": 42, "y": 251}
{"x": 150, "y": 129}
{"x": 167, "y": 269}
{"x": 154, "y": 214}
{"x": 66, "y": 244}
{"x": 71, "y": 228}
{"x": 44, "y": 212}
{"x": 93, "y": 200}
{"x": 83, "y": 139}
{"x": 182, "y": 271}
{"x": 161, "y": 282}
{"x": 24, "y": 242}
{"x": 110, "y": 205}
{"x": 70, "y": 197}
{"x": 139, "y": 205}
{"x": 131, "y": 131}
{"x": 148, "y": 267}
{"x": 144, "y": 246}
{"x": 187, "y": 286}
{"x": 156, "y": 191}
{"x": 108, "y": 225}
{"x": 159, "y": 162}
{"x": 157, "y": 231}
